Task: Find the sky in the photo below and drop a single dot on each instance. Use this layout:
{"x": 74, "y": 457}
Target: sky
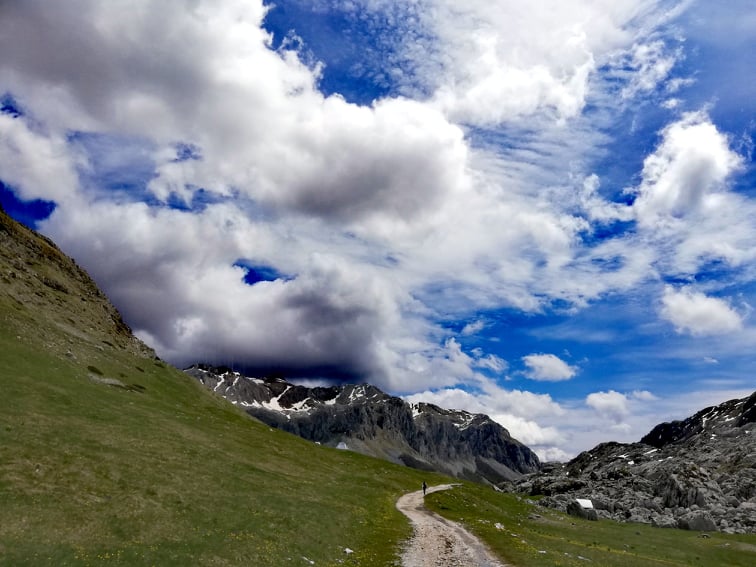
{"x": 542, "y": 211}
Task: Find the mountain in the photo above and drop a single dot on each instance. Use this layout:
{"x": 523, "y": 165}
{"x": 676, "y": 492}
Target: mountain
{"x": 698, "y": 473}
{"x": 725, "y": 418}
{"x": 365, "y": 419}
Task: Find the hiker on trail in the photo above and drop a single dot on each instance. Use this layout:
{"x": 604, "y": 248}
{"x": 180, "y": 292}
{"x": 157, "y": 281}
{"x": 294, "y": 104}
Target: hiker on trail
{"x": 425, "y": 487}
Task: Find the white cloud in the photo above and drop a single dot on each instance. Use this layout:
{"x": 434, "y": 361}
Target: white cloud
{"x": 675, "y": 85}
{"x": 548, "y": 368}
{"x": 643, "y": 395}
{"x": 36, "y": 165}
{"x": 651, "y": 64}
{"x": 686, "y": 212}
{"x": 473, "y": 327}
{"x": 492, "y": 362}
{"x": 518, "y": 411}
{"x": 499, "y": 62}
{"x": 698, "y": 314}
{"x": 610, "y": 404}
{"x": 690, "y": 165}
{"x": 553, "y": 454}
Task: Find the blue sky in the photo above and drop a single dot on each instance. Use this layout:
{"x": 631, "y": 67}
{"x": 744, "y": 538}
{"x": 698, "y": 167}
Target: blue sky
{"x": 541, "y": 212}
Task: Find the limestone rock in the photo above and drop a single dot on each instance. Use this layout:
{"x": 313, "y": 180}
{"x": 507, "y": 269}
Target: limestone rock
{"x": 698, "y": 473}
{"x": 574, "y": 508}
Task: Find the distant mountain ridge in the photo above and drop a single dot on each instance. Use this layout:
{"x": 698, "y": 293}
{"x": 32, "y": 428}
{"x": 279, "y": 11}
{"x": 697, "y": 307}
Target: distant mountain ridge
{"x": 698, "y": 473}
{"x": 730, "y": 414}
{"x": 367, "y": 420}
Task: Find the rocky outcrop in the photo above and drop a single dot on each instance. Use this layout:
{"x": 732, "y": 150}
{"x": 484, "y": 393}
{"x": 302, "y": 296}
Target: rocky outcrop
{"x": 367, "y": 420}
{"x": 697, "y": 474}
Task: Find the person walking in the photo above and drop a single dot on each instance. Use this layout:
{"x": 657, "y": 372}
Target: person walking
{"x": 425, "y": 487}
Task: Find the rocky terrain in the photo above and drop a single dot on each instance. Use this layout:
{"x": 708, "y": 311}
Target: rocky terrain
{"x": 698, "y": 474}
{"x": 365, "y": 419}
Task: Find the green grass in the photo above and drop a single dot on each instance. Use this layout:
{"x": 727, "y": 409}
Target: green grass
{"x": 510, "y": 526}
{"x": 159, "y": 471}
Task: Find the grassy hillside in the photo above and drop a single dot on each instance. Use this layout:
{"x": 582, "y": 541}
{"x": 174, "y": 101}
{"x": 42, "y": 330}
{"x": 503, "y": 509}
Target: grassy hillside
{"x": 532, "y": 536}
{"x": 155, "y": 470}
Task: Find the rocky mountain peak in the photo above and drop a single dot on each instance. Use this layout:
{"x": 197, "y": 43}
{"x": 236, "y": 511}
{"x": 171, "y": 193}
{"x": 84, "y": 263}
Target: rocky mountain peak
{"x": 363, "y": 418}
{"x": 711, "y": 420}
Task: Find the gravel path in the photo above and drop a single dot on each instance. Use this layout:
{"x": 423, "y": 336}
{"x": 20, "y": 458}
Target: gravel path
{"x": 438, "y": 541}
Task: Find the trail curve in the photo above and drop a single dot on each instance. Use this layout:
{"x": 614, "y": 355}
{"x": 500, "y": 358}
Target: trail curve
{"x": 438, "y": 542}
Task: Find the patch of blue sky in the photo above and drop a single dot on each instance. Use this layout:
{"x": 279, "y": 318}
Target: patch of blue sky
{"x": 715, "y": 270}
{"x": 587, "y": 340}
{"x": 119, "y": 166}
{"x": 622, "y": 344}
{"x": 201, "y": 199}
{"x": 30, "y": 213}
{"x": 720, "y": 44}
{"x": 360, "y": 47}
{"x": 187, "y": 152}
{"x": 603, "y": 231}
{"x": 9, "y": 106}
{"x": 528, "y": 145}
{"x": 255, "y": 272}
{"x": 628, "y": 137}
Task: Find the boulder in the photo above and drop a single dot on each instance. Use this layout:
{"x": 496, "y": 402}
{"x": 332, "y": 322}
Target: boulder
{"x": 581, "y": 510}
{"x": 697, "y": 521}
{"x": 663, "y": 521}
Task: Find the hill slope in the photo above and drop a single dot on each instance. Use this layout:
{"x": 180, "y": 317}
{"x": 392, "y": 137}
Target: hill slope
{"x": 106, "y": 453}
{"x": 367, "y": 420}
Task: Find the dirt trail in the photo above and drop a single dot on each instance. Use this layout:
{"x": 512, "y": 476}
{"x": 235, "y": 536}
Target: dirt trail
{"x": 438, "y": 541}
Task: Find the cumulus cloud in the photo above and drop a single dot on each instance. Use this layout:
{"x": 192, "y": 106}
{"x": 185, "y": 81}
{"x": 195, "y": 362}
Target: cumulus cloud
{"x": 548, "y": 368}
{"x": 698, "y": 314}
{"x": 642, "y": 395}
{"x": 610, "y": 404}
{"x": 688, "y": 168}
{"x": 36, "y": 165}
